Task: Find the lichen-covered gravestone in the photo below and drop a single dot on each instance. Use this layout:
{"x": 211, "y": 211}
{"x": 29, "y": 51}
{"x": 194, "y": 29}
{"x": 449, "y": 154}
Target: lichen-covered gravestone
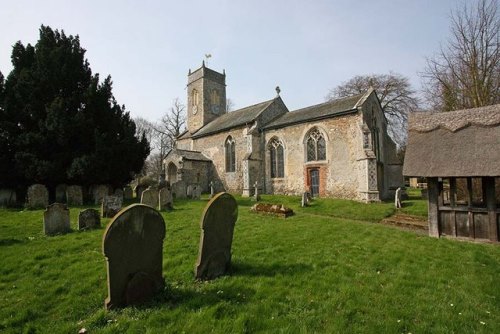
{"x": 119, "y": 192}
{"x": 111, "y": 205}
{"x": 179, "y": 189}
{"x": 74, "y": 195}
{"x": 98, "y": 192}
{"x": 133, "y": 247}
{"x": 165, "y": 199}
{"x": 217, "y": 226}
{"x": 150, "y": 197}
{"x": 56, "y": 219}
{"x": 38, "y": 197}
{"x": 89, "y": 218}
{"x": 7, "y": 197}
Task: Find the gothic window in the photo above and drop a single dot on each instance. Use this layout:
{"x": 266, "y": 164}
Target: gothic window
{"x": 214, "y": 97}
{"x": 194, "y": 97}
{"x": 375, "y": 133}
{"x": 277, "y": 154}
{"x": 315, "y": 146}
{"x": 230, "y": 154}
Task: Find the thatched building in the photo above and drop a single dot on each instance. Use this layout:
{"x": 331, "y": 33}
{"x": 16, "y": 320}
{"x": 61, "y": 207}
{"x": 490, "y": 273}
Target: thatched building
{"x": 459, "y": 154}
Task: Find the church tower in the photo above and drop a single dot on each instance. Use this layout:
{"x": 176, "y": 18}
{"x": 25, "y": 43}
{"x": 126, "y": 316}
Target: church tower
{"x": 206, "y": 91}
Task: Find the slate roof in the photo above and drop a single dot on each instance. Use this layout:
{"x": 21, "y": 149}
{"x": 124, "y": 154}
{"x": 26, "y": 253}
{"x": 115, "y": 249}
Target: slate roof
{"x": 454, "y": 144}
{"x": 319, "y": 111}
{"x": 190, "y": 155}
{"x": 233, "y": 119}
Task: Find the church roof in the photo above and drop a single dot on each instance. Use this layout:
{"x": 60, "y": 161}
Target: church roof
{"x": 318, "y": 111}
{"x": 233, "y": 119}
{"x": 189, "y": 155}
{"x": 454, "y": 144}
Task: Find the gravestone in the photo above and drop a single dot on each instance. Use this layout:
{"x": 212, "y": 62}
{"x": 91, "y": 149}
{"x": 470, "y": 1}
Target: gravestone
{"x": 38, "y": 197}
{"x": 111, "y": 205}
{"x": 179, "y": 189}
{"x": 150, "y": 197}
{"x": 217, "y": 226}
{"x": 98, "y": 193}
{"x": 128, "y": 192}
{"x": 305, "y": 200}
{"x": 56, "y": 219}
{"x": 88, "y": 219}
{"x": 189, "y": 191}
{"x": 196, "y": 192}
{"x": 397, "y": 199}
{"x": 61, "y": 193}
{"x": 133, "y": 247}
{"x": 74, "y": 195}
{"x": 212, "y": 190}
{"x": 165, "y": 199}
{"x": 256, "y": 196}
{"x": 139, "y": 189}
{"x": 7, "y": 197}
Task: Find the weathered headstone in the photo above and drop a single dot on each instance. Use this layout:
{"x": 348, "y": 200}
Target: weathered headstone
{"x": 61, "y": 193}
{"x": 217, "y": 226}
{"x": 7, "y": 197}
{"x": 150, "y": 197}
{"x": 397, "y": 199}
{"x": 133, "y": 247}
{"x": 256, "y": 196}
{"x": 305, "y": 200}
{"x": 128, "y": 192}
{"x": 74, "y": 195}
{"x": 56, "y": 219}
{"x": 119, "y": 192}
{"x": 212, "y": 190}
{"x": 196, "y": 192}
{"x": 189, "y": 191}
{"x": 111, "y": 205}
{"x": 38, "y": 197}
{"x": 88, "y": 219}
{"x": 139, "y": 189}
{"x": 179, "y": 189}
{"x": 165, "y": 199}
{"x": 99, "y": 192}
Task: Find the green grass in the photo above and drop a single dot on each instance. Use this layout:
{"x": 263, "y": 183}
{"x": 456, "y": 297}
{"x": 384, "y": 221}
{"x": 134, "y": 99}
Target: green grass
{"x": 310, "y": 273}
{"x": 415, "y": 205}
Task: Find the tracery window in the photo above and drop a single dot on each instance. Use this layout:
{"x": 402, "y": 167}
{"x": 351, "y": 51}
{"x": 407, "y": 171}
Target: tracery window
{"x": 194, "y": 98}
{"x": 315, "y": 146}
{"x": 230, "y": 154}
{"x": 277, "y": 153}
{"x": 214, "y": 97}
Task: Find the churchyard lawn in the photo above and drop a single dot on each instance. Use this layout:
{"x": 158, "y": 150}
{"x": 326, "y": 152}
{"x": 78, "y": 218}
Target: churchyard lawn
{"x": 329, "y": 268}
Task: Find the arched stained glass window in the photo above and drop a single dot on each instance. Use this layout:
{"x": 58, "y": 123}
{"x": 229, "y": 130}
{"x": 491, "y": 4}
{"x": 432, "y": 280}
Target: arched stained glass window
{"x": 315, "y": 146}
{"x": 230, "y": 152}
{"x": 277, "y": 158}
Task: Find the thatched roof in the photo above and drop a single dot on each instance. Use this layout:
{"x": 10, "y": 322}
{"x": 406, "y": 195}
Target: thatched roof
{"x": 454, "y": 144}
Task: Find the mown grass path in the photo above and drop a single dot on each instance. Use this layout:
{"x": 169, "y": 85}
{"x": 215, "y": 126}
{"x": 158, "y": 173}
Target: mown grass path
{"x": 327, "y": 269}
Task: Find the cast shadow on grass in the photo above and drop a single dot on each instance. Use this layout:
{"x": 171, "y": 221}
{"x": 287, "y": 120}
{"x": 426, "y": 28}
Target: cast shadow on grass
{"x": 10, "y": 241}
{"x": 267, "y": 270}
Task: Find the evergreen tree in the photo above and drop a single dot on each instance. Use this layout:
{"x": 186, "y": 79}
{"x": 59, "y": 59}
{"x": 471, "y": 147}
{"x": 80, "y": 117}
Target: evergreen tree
{"x": 60, "y": 124}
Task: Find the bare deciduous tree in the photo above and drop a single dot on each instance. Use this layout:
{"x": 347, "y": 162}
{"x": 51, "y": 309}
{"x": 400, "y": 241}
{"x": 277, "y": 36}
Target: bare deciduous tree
{"x": 229, "y": 105}
{"x": 466, "y": 71}
{"x": 397, "y": 98}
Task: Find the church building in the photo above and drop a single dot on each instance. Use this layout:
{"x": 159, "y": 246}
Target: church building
{"x": 336, "y": 149}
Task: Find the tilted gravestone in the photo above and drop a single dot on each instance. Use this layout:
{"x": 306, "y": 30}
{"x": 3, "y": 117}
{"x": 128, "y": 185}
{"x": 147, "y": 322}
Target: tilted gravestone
{"x": 74, "y": 195}
{"x": 98, "y": 193}
{"x": 38, "y": 197}
{"x": 61, "y": 193}
{"x": 150, "y": 197}
{"x": 89, "y": 218}
{"x": 133, "y": 247}
{"x": 179, "y": 189}
{"x": 128, "y": 192}
{"x": 217, "y": 226}
{"x": 56, "y": 219}
{"x": 165, "y": 199}
{"x": 111, "y": 205}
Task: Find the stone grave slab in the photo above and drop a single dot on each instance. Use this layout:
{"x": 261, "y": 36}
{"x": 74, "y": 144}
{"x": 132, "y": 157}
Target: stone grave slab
{"x": 98, "y": 193}
{"x": 165, "y": 199}
{"x": 74, "y": 195}
{"x": 179, "y": 189}
{"x": 150, "y": 197}
{"x": 7, "y": 197}
{"x": 196, "y": 192}
{"x": 133, "y": 247}
{"x": 217, "y": 226}
{"x": 88, "y": 219}
{"x": 128, "y": 193}
{"x": 111, "y": 205}
{"x": 38, "y": 197}
{"x": 61, "y": 193}
{"x": 56, "y": 219}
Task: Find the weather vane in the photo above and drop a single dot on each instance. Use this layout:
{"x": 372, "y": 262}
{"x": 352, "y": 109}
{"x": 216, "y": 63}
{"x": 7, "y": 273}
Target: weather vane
{"x": 207, "y": 56}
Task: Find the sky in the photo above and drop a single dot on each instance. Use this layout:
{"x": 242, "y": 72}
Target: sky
{"x": 304, "y": 47}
